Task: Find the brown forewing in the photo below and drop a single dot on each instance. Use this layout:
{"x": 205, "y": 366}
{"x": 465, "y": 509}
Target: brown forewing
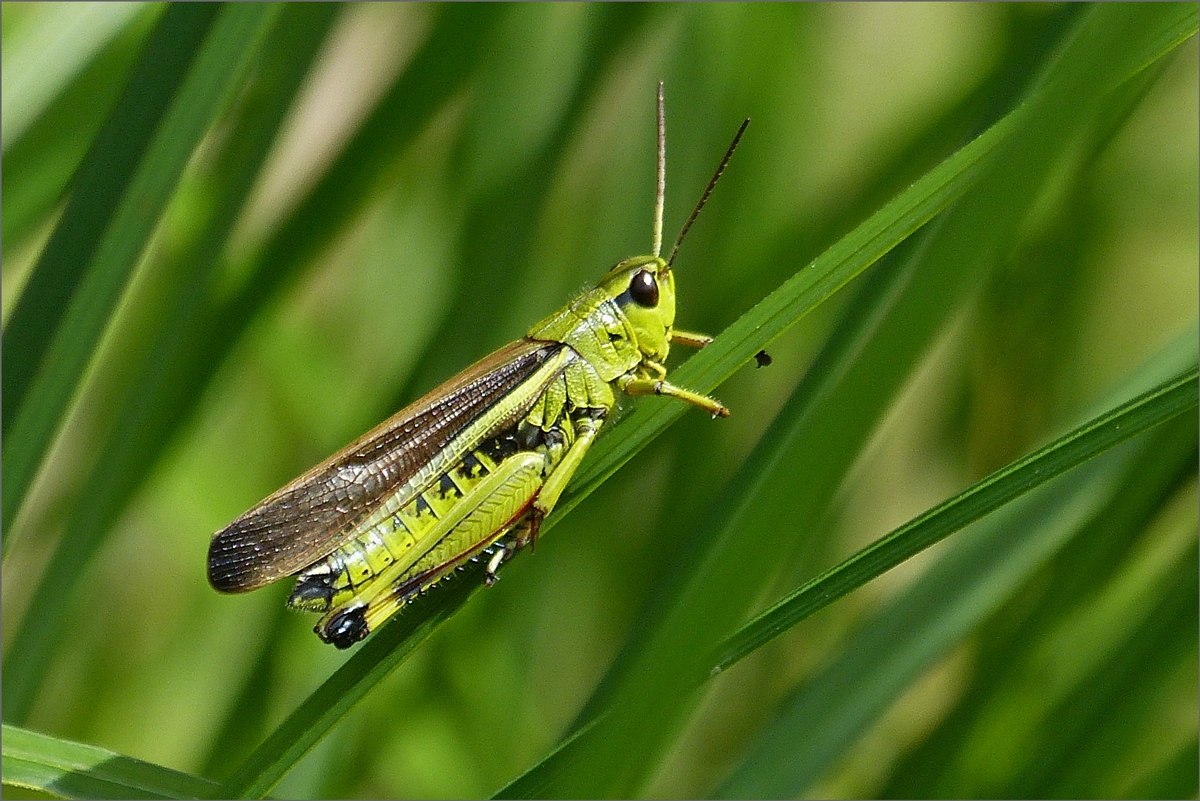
{"x": 309, "y": 517}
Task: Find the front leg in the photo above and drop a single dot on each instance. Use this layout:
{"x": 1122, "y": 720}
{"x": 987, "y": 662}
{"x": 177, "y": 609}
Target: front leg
{"x": 634, "y": 386}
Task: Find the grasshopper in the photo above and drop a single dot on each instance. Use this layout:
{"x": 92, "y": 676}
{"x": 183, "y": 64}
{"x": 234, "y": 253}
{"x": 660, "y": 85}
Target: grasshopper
{"x": 469, "y": 471}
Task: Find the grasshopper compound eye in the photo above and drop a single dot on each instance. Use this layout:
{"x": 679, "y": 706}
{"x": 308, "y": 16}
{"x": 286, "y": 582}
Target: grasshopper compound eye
{"x": 643, "y": 289}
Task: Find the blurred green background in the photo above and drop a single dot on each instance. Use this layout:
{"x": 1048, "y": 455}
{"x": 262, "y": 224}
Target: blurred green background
{"x": 387, "y": 192}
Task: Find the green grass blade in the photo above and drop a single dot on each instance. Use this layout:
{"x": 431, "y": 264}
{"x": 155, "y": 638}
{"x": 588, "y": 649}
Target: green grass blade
{"x": 1179, "y": 778}
{"x": 64, "y": 309}
{"x": 1043, "y": 700}
{"x": 42, "y": 61}
{"x": 1114, "y": 708}
{"x": 808, "y": 288}
{"x": 1097, "y": 558}
{"x": 38, "y": 165}
{"x": 437, "y": 71}
{"x": 101, "y": 182}
{"x": 154, "y": 404}
{"x": 838, "y": 265}
{"x": 814, "y": 725}
{"x": 1150, "y": 409}
{"x": 75, "y": 770}
{"x": 440, "y": 68}
{"x": 246, "y": 721}
{"x": 817, "y": 722}
{"x": 1140, "y": 414}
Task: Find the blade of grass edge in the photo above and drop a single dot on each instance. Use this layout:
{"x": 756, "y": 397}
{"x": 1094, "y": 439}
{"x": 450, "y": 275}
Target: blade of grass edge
{"x": 656, "y": 692}
{"x": 1089, "y": 732}
{"x": 1093, "y": 557}
{"x": 836, "y": 267}
{"x": 76, "y": 770}
{"x": 38, "y": 167}
{"x": 808, "y": 288}
{"x": 46, "y": 58}
{"x": 983, "y": 567}
{"x": 313, "y": 719}
{"x": 1178, "y": 778}
{"x": 1156, "y": 406}
{"x": 102, "y": 178}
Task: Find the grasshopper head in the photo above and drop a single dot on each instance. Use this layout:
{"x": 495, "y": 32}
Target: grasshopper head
{"x": 625, "y": 320}
{"x": 643, "y": 287}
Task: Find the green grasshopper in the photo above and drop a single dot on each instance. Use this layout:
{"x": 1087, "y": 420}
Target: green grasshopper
{"x": 469, "y": 471}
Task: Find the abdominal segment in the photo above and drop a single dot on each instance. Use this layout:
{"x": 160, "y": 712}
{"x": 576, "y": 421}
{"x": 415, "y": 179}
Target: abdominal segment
{"x": 400, "y": 538}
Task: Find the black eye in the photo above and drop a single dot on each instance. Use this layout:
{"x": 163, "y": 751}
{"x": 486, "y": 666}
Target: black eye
{"x": 643, "y": 289}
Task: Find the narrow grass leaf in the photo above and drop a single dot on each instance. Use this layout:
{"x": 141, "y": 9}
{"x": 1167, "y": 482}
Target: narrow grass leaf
{"x": 1069, "y": 585}
{"x": 437, "y": 71}
{"x": 1178, "y": 778}
{"x": 102, "y": 180}
{"x": 330, "y": 702}
{"x": 74, "y": 770}
{"x": 1078, "y": 748}
{"x": 1089, "y": 440}
{"x": 804, "y": 291}
{"x": 38, "y": 166}
{"x": 818, "y": 721}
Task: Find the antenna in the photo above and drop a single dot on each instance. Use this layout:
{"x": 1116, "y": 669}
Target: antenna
{"x": 661, "y": 193}
{"x": 708, "y": 191}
